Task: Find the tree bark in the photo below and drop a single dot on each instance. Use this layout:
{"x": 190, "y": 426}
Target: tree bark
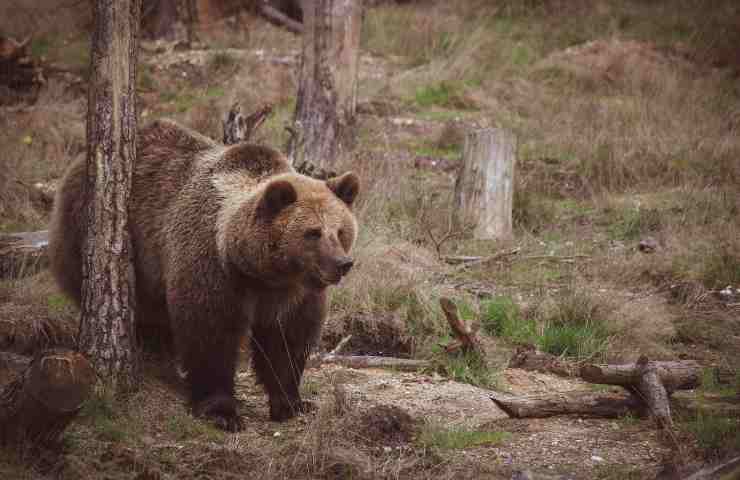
{"x": 240, "y": 129}
{"x": 581, "y": 403}
{"x": 485, "y": 184}
{"x": 38, "y": 405}
{"x": 23, "y": 253}
{"x": 107, "y": 333}
{"x": 279, "y": 18}
{"x": 327, "y": 91}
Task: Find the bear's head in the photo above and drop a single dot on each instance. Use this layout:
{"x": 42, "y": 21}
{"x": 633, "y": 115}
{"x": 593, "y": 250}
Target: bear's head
{"x": 295, "y": 230}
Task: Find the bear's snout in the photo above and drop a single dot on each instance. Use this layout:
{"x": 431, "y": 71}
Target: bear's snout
{"x": 344, "y": 265}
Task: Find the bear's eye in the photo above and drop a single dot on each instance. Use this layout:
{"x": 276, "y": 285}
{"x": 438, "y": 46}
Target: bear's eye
{"x": 312, "y": 234}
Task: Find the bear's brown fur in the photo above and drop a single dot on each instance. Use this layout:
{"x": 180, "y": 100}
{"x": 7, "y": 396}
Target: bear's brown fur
{"x": 226, "y": 240}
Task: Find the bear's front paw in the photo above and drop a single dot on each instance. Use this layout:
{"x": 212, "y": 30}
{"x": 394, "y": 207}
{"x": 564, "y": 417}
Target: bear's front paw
{"x": 287, "y": 410}
{"x": 221, "y": 410}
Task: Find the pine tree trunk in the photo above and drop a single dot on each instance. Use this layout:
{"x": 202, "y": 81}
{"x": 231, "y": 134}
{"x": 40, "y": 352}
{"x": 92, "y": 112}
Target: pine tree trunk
{"x": 485, "y": 184}
{"x": 107, "y": 334}
{"x": 327, "y": 90}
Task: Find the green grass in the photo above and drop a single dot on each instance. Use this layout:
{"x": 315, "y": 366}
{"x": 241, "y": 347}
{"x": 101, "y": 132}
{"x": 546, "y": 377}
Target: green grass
{"x": 222, "y": 62}
{"x": 448, "y": 153}
{"x": 631, "y": 223}
{"x": 715, "y": 434}
{"x": 184, "y": 426}
{"x": 464, "y": 367}
{"x": 576, "y": 326}
{"x": 457, "y": 438}
{"x": 501, "y": 317}
{"x": 443, "y": 94}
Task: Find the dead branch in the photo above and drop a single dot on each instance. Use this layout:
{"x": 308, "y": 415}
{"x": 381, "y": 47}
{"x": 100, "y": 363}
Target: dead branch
{"x": 476, "y": 261}
{"x": 38, "y": 405}
{"x": 371, "y": 361}
{"x": 527, "y": 357}
{"x": 278, "y": 18}
{"x": 566, "y": 403}
{"x": 680, "y": 375}
{"x": 650, "y": 382}
{"x": 466, "y": 338}
{"x": 238, "y": 128}
{"x": 726, "y": 470}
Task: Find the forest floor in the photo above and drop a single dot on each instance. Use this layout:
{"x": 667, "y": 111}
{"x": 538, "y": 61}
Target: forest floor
{"x": 628, "y": 132}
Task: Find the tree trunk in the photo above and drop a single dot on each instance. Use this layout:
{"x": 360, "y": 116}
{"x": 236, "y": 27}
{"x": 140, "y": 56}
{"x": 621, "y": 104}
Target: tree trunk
{"x": 107, "y": 333}
{"x": 581, "y": 403}
{"x": 485, "y": 184}
{"x": 37, "y": 406}
{"x": 23, "y": 253}
{"x": 159, "y": 18}
{"x": 327, "y": 90}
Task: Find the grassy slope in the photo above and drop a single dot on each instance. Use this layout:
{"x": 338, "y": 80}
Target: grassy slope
{"x": 618, "y": 141}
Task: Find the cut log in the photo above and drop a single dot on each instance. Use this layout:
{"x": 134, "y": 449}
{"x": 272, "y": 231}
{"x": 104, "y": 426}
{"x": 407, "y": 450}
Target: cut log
{"x": 23, "y": 253}
{"x": 38, "y": 405}
{"x": 580, "y": 403}
{"x": 370, "y": 361}
{"x": 466, "y": 338}
{"x": 484, "y": 186}
{"x": 680, "y": 375}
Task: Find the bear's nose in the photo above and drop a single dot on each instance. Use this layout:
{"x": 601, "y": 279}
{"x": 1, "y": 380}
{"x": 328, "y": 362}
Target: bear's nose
{"x": 345, "y": 265}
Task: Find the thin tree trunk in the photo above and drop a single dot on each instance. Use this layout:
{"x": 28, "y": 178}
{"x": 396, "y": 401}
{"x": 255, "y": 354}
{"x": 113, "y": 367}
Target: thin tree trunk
{"x": 107, "y": 334}
{"x": 485, "y": 183}
{"x": 327, "y": 90}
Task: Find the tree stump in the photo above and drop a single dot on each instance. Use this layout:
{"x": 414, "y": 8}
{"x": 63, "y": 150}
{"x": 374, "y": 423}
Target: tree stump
{"x": 327, "y": 89}
{"x": 38, "y": 405}
{"x": 23, "y": 253}
{"x": 484, "y": 187}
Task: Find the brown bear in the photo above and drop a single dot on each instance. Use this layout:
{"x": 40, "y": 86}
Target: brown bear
{"x": 227, "y": 240}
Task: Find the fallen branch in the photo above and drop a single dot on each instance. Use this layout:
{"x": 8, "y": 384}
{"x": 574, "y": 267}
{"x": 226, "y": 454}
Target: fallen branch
{"x": 529, "y": 358}
{"x": 279, "y": 18}
{"x": 371, "y": 361}
{"x": 680, "y": 375}
{"x": 651, "y": 382}
{"x": 23, "y": 253}
{"x": 38, "y": 405}
{"x": 581, "y": 403}
{"x": 463, "y": 262}
{"x": 466, "y": 338}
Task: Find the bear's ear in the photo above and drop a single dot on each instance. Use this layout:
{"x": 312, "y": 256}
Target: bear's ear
{"x": 345, "y": 187}
{"x": 278, "y": 195}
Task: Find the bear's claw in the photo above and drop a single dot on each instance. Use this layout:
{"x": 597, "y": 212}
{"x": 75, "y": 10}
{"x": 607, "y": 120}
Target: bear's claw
{"x": 286, "y": 411}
